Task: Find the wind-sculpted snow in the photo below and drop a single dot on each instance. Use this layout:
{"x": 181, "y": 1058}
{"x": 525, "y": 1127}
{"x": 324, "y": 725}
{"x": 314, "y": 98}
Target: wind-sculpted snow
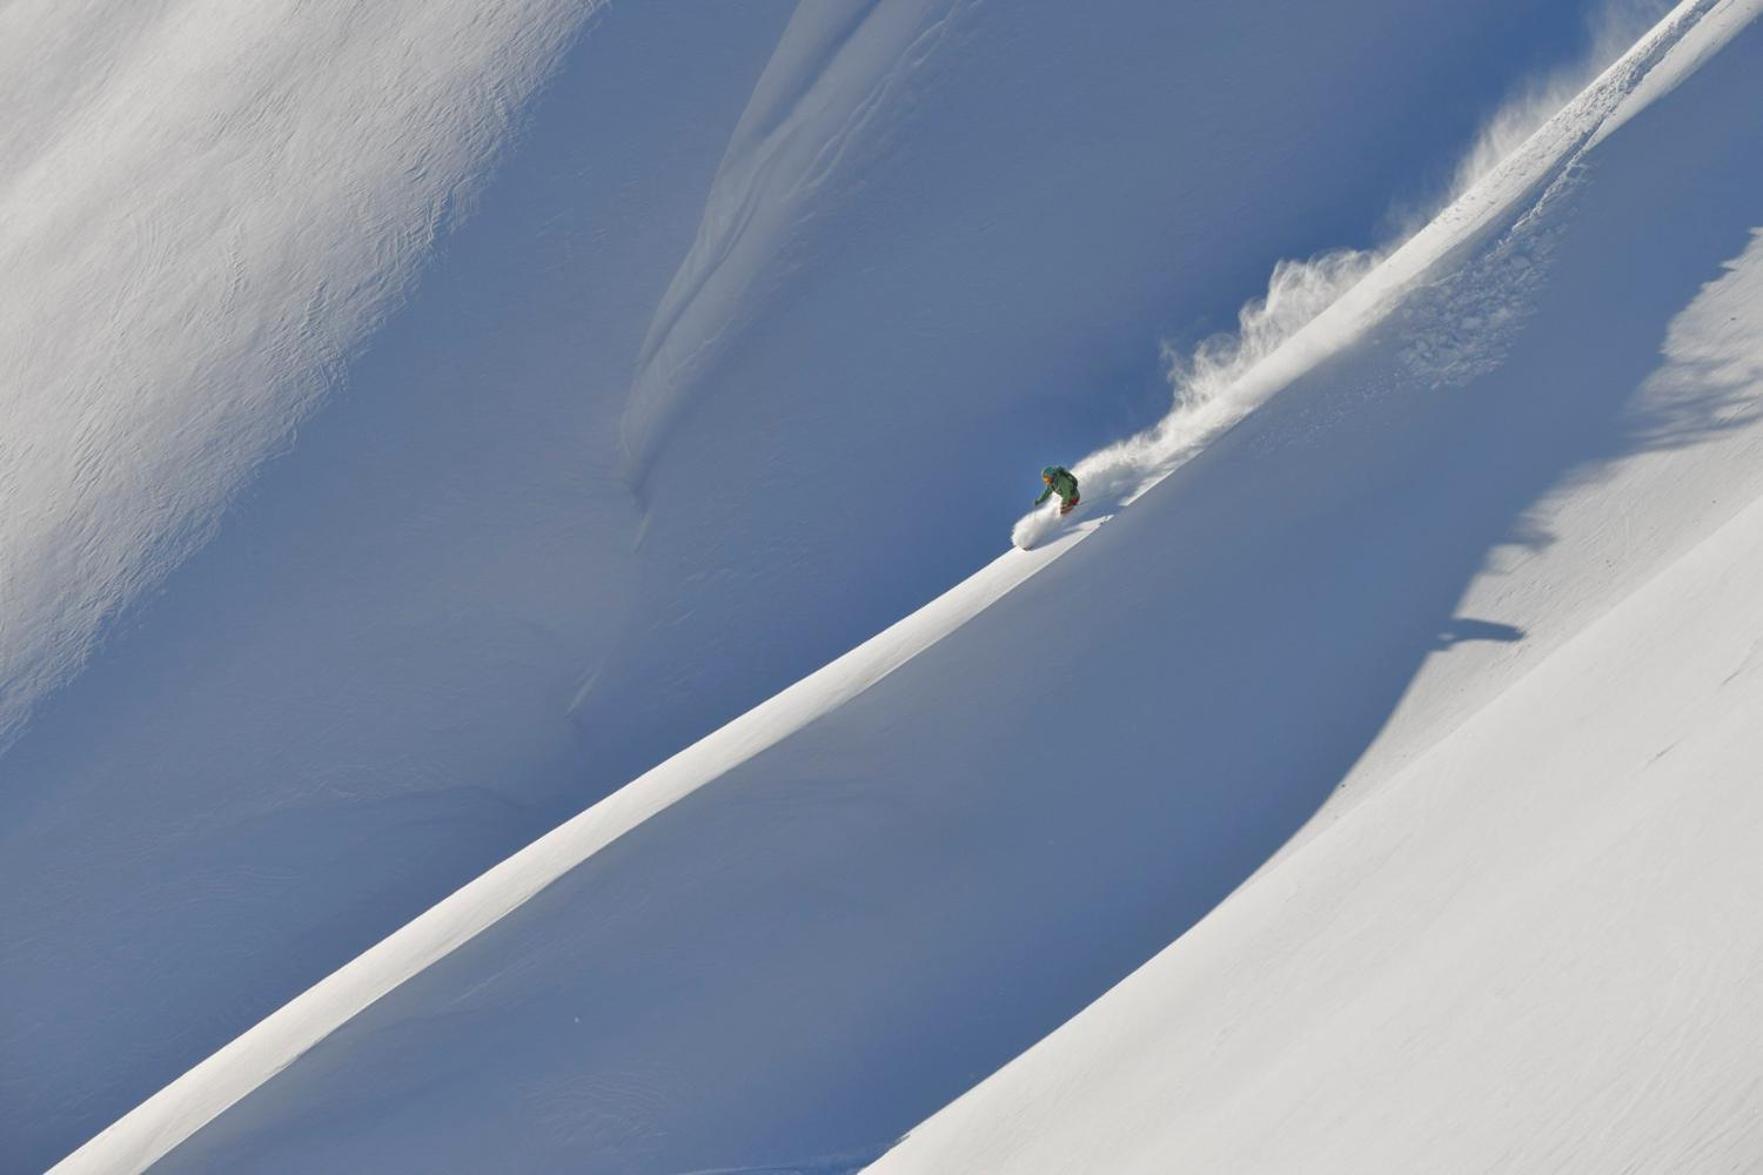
{"x": 910, "y": 271}
{"x": 206, "y": 208}
{"x": 806, "y": 133}
{"x": 797, "y": 942}
{"x": 938, "y": 253}
{"x": 193, "y": 242}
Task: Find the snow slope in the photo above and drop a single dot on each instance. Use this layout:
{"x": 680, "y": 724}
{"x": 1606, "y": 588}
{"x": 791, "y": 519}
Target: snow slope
{"x": 940, "y": 250}
{"x": 353, "y": 697}
{"x": 274, "y": 232}
{"x": 852, "y": 923}
{"x": 1532, "y": 951}
{"x": 262, "y": 712}
{"x": 257, "y": 1055}
{"x": 1532, "y": 947}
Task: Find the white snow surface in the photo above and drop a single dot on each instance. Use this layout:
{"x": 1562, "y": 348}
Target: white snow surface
{"x": 1531, "y": 946}
{"x": 171, "y": 1115}
{"x": 1422, "y": 618}
{"x": 1531, "y": 951}
{"x": 892, "y": 256}
{"x": 271, "y": 173}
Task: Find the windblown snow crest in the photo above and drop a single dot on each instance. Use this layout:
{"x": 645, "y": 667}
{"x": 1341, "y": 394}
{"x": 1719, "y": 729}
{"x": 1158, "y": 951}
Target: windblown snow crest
{"x": 1315, "y": 307}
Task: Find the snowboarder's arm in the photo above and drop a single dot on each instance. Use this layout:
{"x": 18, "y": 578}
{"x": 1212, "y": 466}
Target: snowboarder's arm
{"x": 1045, "y": 494}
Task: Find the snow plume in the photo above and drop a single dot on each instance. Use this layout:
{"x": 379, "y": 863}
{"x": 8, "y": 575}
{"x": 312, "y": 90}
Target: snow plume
{"x": 1314, "y": 308}
{"x": 1212, "y": 385}
{"x": 1612, "y": 29}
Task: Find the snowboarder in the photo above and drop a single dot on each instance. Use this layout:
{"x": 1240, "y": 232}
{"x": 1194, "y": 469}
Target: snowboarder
{"x": 1059, "y": 481}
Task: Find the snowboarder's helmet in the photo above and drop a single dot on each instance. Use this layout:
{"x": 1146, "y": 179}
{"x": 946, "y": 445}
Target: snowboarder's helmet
{"x": 1047, "y": 473}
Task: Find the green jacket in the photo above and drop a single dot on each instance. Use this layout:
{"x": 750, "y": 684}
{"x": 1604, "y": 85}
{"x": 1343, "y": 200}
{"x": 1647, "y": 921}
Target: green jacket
{"x": 1064, "y": 484}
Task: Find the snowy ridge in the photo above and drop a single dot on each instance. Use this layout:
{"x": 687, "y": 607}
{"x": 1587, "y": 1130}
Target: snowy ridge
{"x": 159, "y": 1124}
{"x": 184, "y": 1106}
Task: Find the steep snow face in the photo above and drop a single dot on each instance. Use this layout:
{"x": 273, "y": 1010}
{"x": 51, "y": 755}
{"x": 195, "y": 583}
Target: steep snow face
{"x": 1523, "y": 937}
{"x": 1536, "y": 951}
{"x": 205, "y": 208}
{"x": 148, "y": 1131}
{"x": 1316, "y": 308}
{"x": 275, "y": 759}
{"x": 437, "y": 625}
{"x": 853, "y": 921}
{"x": 939, "y": 253}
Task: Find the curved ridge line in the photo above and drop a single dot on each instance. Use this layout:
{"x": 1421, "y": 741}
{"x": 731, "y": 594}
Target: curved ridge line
{"x": 152, "y": 1129}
